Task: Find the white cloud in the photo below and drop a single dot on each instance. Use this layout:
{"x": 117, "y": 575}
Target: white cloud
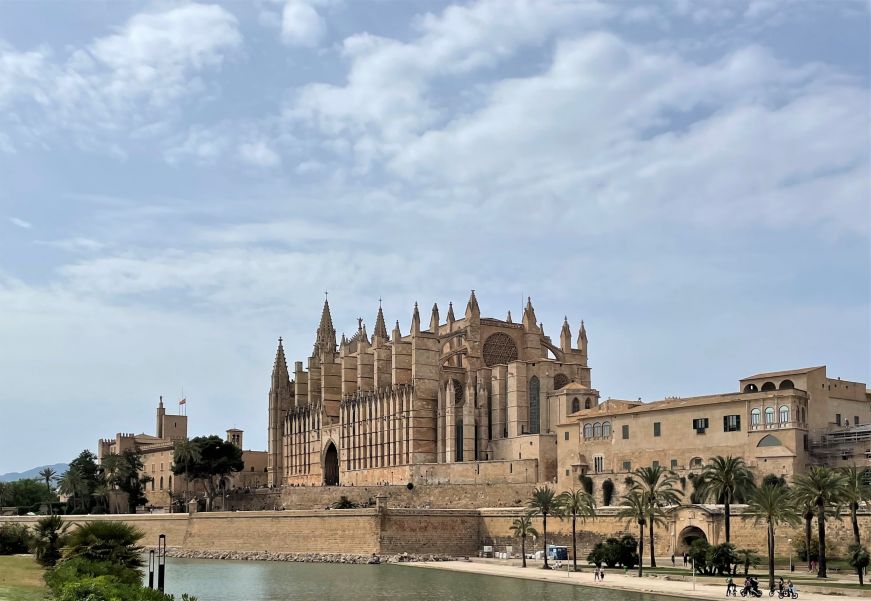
{"x": 20, "y": 223}
{"x": 301, "y": 25}
{"x": 259, "y": 154}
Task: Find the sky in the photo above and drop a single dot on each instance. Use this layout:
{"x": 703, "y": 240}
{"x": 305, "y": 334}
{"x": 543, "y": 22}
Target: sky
{"x": 181, "y": 182}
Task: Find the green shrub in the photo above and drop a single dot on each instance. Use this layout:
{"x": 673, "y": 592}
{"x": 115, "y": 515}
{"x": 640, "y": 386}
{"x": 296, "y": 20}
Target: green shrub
{"x": 14, "y": 538}
{"x": 615, "y": 551}
{"x": 105, "y": 588}
{"x": 74, "y": 570}
{"x": 116, "y": 542}
{"x": 47, "y": 538}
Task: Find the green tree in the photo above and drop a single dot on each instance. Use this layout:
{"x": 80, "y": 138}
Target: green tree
{"x": 344, "y": 503}
{"x": 772, "y": 505}
{"x": 27, "y": 493}
{"x": 727, "y": 480}
{"x": 47, "y": 538}
{"x": 823, "y": 488}
{"x": 856, "y": 492}
{"x": 48, "y": 475}
{"x": 747, "y": 558}
{"x": 658, "y": 488}
{"x": 615, "y": 551}
{"x": 635, "y": 510}
{"x": 545, "y": 502}
{"x": 207, "y": 459}
{"x": 577, "y": 504}
{"x": 115, "y": 542}
{"x": 859, "y": 559}
{"x": 522, "y": 528}
{"x": 126, "y": 473}
{"x": 81, "y": 479}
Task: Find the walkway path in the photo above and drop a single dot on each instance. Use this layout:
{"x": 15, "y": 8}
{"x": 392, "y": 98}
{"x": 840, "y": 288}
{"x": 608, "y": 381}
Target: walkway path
{"x": 613, "y": 580}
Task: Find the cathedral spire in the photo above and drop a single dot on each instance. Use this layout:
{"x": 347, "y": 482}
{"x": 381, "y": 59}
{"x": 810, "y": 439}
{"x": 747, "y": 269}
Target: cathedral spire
{"x": 565, "y": 336}
{"x": 582, "y": 338}
{"x": 415, "y": 320}
{"x": 529, "y": 320}
{"x": 397, "y": 334}
{"x": 434, "y": 319}
{"x": 451, "y": 317}
{"x": 325, "y": 341}
{"x": 472, "y": 309}
{"x": 508, "y": 319}
{"x": 279, "y": 368}
{"x": 380, "y": 328}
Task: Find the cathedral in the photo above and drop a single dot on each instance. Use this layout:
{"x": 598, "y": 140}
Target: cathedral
{"x": 468, "y": 400}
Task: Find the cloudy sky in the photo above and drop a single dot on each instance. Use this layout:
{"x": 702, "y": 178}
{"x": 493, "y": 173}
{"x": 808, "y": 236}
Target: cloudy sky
{"x": 181, "y": 182}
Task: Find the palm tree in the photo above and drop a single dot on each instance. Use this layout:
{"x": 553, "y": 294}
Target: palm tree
{"x": 823, "y": 488}
{"x": 72, "y": 484}
{"x": 659, "y": 488}
{"x": 48, "y": 538}
{"x": 522, "y": 528}
{"x": 47, "y": 474}
{"x": 544, "y": 502}
{"x": 727, "y": 480}
{"x": 747, "y": 558}
{"x": 577, "y": 504}
{"x": 773, "y": 506}
{"x": 856, "y": 491}
{"x": 635, "y": 510}
{"x": 116, "y": 542}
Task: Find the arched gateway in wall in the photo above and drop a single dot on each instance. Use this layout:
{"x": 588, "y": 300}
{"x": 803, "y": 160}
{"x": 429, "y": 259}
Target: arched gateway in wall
{"x": 331, "y": 466}
{"x": 687, "y": 537}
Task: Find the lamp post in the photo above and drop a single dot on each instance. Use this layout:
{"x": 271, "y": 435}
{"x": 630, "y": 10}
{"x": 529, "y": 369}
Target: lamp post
{"x": 791, "y": 567}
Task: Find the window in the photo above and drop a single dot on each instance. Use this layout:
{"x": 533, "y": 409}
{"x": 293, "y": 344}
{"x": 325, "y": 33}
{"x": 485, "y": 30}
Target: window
{"x": 769, "y": 415}
{"x": 567, "y": 472}
{"x": 534, "y": 405}
{"x": 588, "y": 430}
{"x": 731, "y": 423}
{"x": 855, "y": 420}
{"x": 627, "y": 466}
{"x": 769, "y": 441}
{"x": 161, "y": 483}
{"x": 837, "y": 419}
{"x": 566, "y": 436}
{"x": 754, "y": 417}
{"x": 599, "y": 464}
{"x": 700, "y": 424}
{"x": 588, "y": 403}
{"x": 576, "y": 405}
{"x": 606, "y": 429}
{"x": 696, "y": 462}
{"x": 674, "y": 464}
{"x": 655, "y": 464}
{"x": 657, "y": 428}
{"x": 625, "y": 432}
{"x": 783, "y": 414}
{"x": 597, "y": 430}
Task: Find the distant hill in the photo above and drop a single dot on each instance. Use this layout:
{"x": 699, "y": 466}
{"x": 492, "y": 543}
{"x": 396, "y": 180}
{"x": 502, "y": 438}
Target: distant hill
{"x": 33, "y": 473}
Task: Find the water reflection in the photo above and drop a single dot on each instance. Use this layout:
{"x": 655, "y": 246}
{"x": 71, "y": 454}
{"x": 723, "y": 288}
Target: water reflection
{"x": 213, "y": 580}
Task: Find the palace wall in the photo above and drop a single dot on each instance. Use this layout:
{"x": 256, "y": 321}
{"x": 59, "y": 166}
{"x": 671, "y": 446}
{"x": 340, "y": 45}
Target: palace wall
{"x": 433, "y": 531}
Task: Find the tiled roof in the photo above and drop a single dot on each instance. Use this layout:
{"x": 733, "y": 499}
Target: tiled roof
{"x": 777, "y": 374}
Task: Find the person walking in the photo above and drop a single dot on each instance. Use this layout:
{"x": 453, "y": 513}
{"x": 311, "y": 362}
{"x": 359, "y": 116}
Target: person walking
{"x": 596, "y": 574}
{"x": 602, "y": 574}
{"x": 672, "y": 560}
{"x": 684, "y": 559}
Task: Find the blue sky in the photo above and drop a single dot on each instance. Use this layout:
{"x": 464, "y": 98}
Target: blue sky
{"x": 180, "y": 182}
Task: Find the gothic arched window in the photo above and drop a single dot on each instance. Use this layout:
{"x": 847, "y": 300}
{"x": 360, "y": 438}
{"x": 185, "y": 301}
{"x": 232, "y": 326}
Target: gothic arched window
{"x": 597, "y": 430}
{"x": 534, "y": 405}
{"x": 606, "y": 429}
{"x": 576, "y": 405}
{"x": 588, "y": 430}
{"x": 588, "y": 403}
{"x": 458, "y": 391}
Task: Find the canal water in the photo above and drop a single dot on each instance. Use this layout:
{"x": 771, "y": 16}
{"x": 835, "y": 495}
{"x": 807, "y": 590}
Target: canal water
{"x": 213, "y": 580}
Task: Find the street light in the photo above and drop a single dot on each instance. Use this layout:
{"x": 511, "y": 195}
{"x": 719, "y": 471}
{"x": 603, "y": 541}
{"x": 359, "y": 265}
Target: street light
{"x": 791, "y": 567}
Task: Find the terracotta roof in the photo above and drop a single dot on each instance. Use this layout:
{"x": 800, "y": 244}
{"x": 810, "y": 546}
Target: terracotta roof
{"x": 777, "y": 374}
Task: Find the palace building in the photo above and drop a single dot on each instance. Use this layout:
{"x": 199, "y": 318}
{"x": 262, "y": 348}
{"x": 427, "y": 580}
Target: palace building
{"x": 468, "y": 400}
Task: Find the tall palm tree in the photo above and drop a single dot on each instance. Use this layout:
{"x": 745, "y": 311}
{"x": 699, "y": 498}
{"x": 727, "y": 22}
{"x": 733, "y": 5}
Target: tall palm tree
{"x": 545, "y": 502}
{"x": 727, "y": 480}
{"x": 72, "y": 484}
{"x": 522, "y": 528}
{"x": 856, "y": 491}
{"x": 577, "y": 504}
{"x": 659, "y": 488}
{"x": 823, "y": 488}
{"x": 47, "y": 474}
{"x": 773, "y": 506}
{"x": 635, "y": 510}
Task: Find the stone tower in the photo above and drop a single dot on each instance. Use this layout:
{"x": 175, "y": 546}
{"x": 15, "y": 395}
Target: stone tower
{"x": 280, "y": 401}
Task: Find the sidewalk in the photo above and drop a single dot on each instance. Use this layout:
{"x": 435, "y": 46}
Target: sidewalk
{"x": 614, "y": 579}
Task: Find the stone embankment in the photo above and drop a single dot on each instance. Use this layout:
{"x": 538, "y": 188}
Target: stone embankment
{"x": 306, "y": 557}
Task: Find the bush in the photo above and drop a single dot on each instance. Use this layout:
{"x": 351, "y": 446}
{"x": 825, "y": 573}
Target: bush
{"x": 773, "y": 480}
{"x": 73, "y": 570}
{"x": 801, "y": 552}
{"x": 615, "y": 551}
{"x": 858, "y": 556}
{"x": 48, "y": 537}
{"x": 106, "y": 541}
{"x": 14, "y": 538}
{"x": 607, "y": 492}
{"x": 83, "y": 580}
{"x": 710, "y": 560}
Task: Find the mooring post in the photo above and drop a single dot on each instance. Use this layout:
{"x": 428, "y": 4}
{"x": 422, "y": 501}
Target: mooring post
{"x": 161, "y": 561}
{"x": 151, "y": 569}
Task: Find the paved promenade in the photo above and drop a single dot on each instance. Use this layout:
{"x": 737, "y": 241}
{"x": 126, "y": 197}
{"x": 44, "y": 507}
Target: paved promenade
{"x": 614, "y": 579}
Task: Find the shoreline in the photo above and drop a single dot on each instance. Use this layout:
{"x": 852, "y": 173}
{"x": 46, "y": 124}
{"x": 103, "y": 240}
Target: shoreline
{"x": 616, "y": 580}
{"x": 346, "y": 558}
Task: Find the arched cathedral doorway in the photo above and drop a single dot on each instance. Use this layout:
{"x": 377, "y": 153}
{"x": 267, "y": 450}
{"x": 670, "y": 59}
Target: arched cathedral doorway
{"x": 331, "y": 466}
